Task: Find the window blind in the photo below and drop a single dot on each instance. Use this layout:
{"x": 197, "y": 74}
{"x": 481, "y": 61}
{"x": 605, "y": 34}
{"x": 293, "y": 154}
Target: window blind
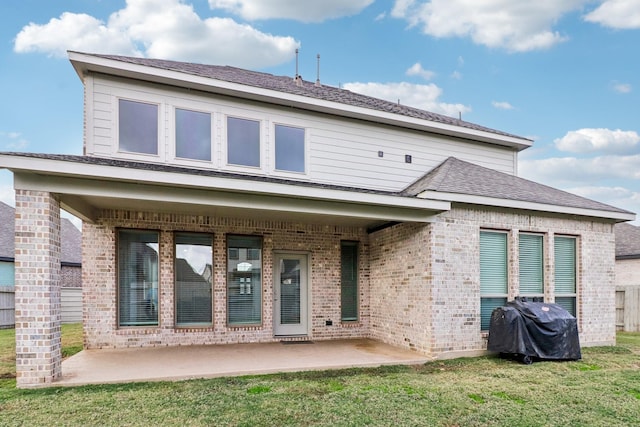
{"x": 493, "y": 274}
{"x": 531, "y": 264}
{"x": 137, "y": 278}
{"x": 193, "y": 278}
{"x": 565, "y": 272}
{"x": 349, "y": 280}
{"x": 244, "y": 280}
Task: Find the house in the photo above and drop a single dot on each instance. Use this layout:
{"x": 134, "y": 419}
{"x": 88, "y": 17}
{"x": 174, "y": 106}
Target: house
{"x": 304, "y": 211}
{"x": 70, "y": 265}
{"x": 627, "y": 277}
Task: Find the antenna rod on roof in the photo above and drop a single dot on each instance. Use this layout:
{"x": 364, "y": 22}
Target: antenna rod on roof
{"x": 296, "y": 77}
{"x": 318, "y": 72}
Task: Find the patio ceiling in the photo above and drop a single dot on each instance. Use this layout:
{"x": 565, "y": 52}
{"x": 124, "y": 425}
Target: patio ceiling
{"x": 85, "y": 190}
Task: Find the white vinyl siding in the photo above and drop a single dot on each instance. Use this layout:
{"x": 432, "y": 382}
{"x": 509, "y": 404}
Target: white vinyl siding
{"x": 531, "y": 263}
{"x": 565, "y": 273}
{"x": 493, "y": 274}
{"x": 339, "y": 151}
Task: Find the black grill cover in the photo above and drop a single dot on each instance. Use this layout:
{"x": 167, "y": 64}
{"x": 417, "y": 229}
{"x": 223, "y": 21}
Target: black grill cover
{"x": 534, "y": 330}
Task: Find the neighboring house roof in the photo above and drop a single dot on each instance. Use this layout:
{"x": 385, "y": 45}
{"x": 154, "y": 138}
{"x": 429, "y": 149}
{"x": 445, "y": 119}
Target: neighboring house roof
{"x": 70, "y": 242}
{"x": 455, "y": 180}
{"x": 282, "y": 85}
{"x": 7, "y": 221}
{"x": 71, "y": 238}
{"x": 627, "y": 241}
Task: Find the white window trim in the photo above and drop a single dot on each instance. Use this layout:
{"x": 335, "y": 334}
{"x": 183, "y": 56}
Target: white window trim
{"x": 131, "y": 155}
{"x": 225, "y": 143}
{"x": 174, "y": 159}
{"x": 272, "y": 149}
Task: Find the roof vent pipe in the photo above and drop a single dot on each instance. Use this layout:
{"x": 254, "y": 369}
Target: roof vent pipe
{"x": 318, "y": 72}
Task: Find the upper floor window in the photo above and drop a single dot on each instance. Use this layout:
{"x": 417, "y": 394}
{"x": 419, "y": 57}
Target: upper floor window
{"x": 289, "y": 142}
{"x": 243, "y": 142}
{"x": 193, "y": 135}
{"x": 137, "y": 127}
{"x": 531, "y": 265}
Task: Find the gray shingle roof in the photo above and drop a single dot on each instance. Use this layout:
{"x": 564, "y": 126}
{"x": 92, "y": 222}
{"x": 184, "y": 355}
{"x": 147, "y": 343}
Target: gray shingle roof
{"x": 7, "y": 221}
{"x": 460, "y": 177}
{"x": 287, "y": 85}
{"x": 627, "y": 241}
{"x": 71, "y": 237}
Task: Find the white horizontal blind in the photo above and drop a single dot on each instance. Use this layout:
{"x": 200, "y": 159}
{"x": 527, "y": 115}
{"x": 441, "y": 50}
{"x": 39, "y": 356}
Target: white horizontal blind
{"x": 138, "y": 277}
{"x": 493, "y": 274}
{"x": 349, "y": 280}
{"x": 565, "y": 272}
{"x": 244, "y": 280}
{"x": 531, "y": 265}
{"x": 193, "y": 272}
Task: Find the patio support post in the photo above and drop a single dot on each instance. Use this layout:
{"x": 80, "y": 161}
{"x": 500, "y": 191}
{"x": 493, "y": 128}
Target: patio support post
{"x": 37, "y": 288}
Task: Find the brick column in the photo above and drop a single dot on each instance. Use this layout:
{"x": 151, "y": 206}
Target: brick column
{"x": 37, "y": 284}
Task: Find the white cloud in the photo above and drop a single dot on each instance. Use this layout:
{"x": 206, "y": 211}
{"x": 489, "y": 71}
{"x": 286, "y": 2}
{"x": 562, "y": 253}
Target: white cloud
{"x": 456, "y": 75}
{"x": 73, "y": 31}
{"x": 621, "y": 197}
{"x": 425, "y": 97}
{"x": 514, "y": 25}
{"x": 13, "y": 141}
{"x": 572, "y": 171}
{"x": 381, "y": 16}
{"x": 166, "y": 29}
{"x": 417, "y": 70}
{"x": 502, "y": 105}
{"x": 298, "y": 10}
{"x": 599, "y": 140}
{"x": 619, "y": 14}
{"x": 622, "y": 87}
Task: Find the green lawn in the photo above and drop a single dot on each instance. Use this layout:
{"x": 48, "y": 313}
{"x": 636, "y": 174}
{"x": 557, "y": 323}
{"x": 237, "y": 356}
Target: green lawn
{"x": 603, "y": 389}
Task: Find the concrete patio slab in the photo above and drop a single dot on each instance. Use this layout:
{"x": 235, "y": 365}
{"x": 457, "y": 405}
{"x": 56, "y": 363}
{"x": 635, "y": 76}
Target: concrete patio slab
{"x": 189, "y": 362}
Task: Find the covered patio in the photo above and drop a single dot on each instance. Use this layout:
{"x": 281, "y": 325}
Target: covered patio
{"x": 209, "y": 361}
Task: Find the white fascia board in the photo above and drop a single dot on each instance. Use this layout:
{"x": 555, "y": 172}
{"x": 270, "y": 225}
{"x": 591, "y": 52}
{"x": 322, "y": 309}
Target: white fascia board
{"x": 83, "y": 63}
{"x": 236, "y": 185}
{"x": 529, "y": 206}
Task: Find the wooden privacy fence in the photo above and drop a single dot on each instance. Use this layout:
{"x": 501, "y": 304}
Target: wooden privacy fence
{"x": 71, "y": 306}
{"x": 628, "y": 308}
{"x": 7, "y": 307}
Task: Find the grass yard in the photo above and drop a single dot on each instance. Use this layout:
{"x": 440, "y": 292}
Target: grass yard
{"x": 603, "y": 389}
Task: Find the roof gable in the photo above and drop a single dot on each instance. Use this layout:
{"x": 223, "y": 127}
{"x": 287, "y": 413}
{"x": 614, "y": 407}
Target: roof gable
{"x": 299, "y": 87}
{"x": 456, "y": 176}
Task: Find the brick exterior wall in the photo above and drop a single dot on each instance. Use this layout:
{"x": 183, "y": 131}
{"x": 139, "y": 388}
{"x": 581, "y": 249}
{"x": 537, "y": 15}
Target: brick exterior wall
{"x": 431, "y": 272}
{"x": 37, "y": 288}
{"x": 71, "y": 276}
{"x": 320, "y": 242}
{"x": 628, "y": 272}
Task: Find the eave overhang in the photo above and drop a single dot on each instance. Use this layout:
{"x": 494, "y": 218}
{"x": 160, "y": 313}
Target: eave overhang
{"x": 84, "y": 189}
{"x": 615, "y": 216}
{"x": 85, "y": 64}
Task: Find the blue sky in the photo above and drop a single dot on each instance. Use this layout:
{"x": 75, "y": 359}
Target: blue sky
{"x": 564, "y": 73}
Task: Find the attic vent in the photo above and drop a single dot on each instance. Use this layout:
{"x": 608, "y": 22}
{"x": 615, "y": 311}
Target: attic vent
{"x": 318, "y": 72}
